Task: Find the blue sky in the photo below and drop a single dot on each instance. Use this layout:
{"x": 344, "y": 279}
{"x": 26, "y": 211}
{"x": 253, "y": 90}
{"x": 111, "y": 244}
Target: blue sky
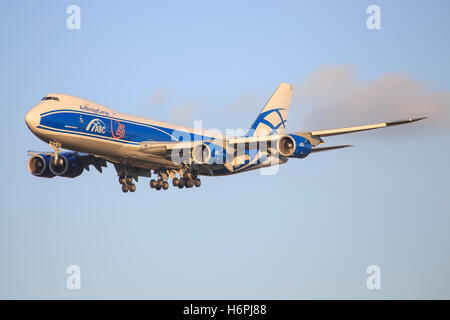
{"x": 309, "y": 231}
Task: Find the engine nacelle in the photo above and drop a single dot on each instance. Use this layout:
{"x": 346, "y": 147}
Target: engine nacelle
{"x": 38, "y": 165}
{"x": 293, "y": 146}
{"x": 201, "y": 153}
{"x": 67, "y": 165}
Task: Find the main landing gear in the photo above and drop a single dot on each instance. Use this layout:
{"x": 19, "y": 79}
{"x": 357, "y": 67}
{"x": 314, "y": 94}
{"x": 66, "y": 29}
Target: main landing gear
{"x": 187, "y": 179}
{"x": 127, "y": 183}
{"x": 159, "y": 184}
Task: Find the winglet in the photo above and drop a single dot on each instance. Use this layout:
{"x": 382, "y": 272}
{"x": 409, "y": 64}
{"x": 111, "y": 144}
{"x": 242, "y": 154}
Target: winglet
{"x": 395, "y": 123}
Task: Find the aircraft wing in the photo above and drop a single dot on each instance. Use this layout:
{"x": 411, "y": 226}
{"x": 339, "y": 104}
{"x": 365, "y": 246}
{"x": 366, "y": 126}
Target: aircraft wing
{"x": 163, "y": 149}
{"x": 316, "y": 136}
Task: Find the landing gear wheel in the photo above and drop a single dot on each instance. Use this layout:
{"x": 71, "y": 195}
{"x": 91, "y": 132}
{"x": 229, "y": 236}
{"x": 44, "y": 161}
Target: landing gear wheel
{"x": 122, "y": 180}
{"x": 158, "y": 187}
{"x": 165, "y": 185}
{"x": 189, "y": 183}
{"x": 181, "y": 184}
{"x": 175, "y": 182}
{"x": 132, "y": 187}
{"x": 129, "y": 179}
{"x": 153, "y": 183}
{"x": 125, "y": 187}
{"x": 197, "y": 183}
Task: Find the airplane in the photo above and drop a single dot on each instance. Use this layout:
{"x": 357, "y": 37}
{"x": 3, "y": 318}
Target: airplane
{"x": 94, "y": 135}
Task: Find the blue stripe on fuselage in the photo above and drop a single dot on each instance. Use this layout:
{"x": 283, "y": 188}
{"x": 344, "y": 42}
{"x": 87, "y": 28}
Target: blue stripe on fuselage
{"x": 86, "y": 135}
{"x": 110, "y": 128}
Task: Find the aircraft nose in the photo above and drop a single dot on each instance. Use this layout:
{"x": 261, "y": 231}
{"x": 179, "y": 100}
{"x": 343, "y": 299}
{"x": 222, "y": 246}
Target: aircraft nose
{"x": 32, "y": 119}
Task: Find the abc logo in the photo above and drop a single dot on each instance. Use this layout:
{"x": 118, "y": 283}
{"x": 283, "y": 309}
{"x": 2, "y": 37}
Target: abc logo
{"x": 96, "y": 126}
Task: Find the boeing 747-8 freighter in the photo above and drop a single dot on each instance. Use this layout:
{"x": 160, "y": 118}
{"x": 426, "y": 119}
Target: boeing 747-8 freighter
{"x": 136, "y": 146}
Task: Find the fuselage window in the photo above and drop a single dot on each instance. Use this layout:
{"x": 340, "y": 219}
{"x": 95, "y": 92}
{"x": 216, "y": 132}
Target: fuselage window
{"x": 50, "y": 98}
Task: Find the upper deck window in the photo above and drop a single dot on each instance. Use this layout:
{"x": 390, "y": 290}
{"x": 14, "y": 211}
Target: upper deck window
{"x": 50, "y": 98}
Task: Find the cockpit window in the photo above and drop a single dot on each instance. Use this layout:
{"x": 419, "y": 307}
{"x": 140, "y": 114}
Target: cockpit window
{"x": 50, "y": 98}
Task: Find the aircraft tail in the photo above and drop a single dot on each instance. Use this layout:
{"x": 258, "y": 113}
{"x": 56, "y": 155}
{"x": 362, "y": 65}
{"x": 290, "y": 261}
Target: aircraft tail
{"x": 272, "y": 118}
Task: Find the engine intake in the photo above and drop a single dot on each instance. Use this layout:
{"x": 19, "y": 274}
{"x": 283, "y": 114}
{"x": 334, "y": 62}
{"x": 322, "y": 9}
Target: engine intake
{"x": 38, "y": 165}
{"x": 66, "y": 165}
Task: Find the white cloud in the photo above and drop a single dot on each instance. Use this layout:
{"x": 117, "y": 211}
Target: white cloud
{"x": 185, "y": 112}
{"x": 332, "y": 97}
{"x": 159, "y": 96}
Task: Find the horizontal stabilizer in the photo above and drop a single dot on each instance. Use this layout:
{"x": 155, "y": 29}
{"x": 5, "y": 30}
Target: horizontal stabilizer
{"x": 330, "y": 148}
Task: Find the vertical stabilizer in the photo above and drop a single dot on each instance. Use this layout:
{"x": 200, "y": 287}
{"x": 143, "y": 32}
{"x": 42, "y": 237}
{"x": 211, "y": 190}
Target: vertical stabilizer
{"x": 272, "y": 118}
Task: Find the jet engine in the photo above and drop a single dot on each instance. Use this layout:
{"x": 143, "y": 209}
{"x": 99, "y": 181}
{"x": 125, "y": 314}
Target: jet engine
{"x": 66, "y": 165}
{"x": 293, "y": 146}
{"x": 38, "y": 165}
